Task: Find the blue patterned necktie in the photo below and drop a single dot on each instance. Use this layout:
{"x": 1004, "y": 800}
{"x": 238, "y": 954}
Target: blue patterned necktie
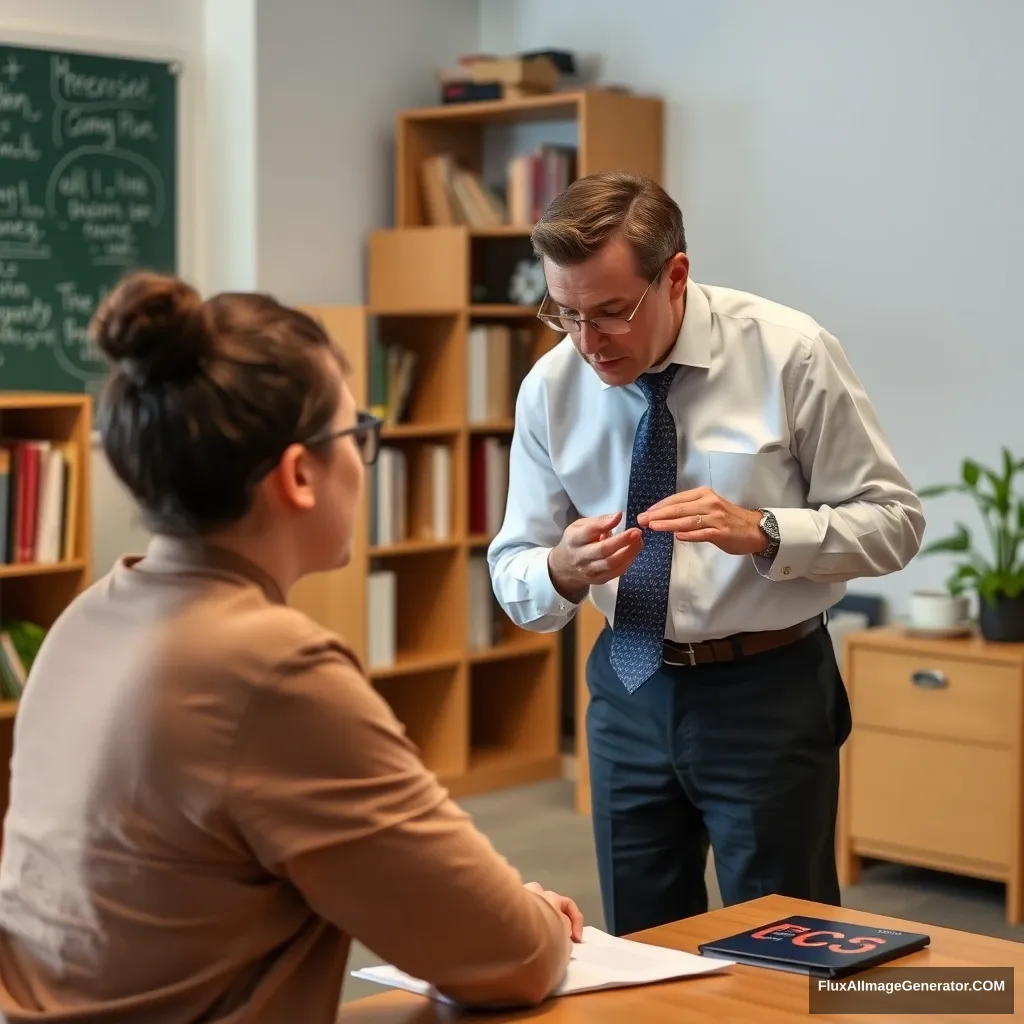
{"x": 641, "y": 603}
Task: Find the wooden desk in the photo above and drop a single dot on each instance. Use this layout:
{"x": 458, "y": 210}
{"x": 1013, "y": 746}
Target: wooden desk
{"x": 738, "y": 993}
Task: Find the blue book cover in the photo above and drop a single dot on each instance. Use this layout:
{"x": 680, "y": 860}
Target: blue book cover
{"x": 816, "y": 946}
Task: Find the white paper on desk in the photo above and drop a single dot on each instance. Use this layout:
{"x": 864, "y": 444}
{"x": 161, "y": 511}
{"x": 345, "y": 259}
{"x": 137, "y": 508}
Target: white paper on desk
{"x": 599, "y": 961}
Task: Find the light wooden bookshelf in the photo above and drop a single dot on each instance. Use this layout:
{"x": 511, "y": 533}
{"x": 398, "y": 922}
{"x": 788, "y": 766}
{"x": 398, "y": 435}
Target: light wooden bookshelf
{"x": 30, "y": 591}
{"x": 484, "y": 715}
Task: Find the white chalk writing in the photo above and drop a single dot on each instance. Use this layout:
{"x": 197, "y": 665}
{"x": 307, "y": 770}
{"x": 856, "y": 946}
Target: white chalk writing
{"x": 19, "y": 104}
{"x": 17, "y": 144}
{"x": 75, "y": 87}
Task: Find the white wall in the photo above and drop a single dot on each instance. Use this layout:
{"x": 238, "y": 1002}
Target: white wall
{"x": 156, "y": 26}
{"x": 229, "y": 145}
{"x": 148, "y": 22}
{"x": 859, "y": 161}
{"x": 332, "y": 75}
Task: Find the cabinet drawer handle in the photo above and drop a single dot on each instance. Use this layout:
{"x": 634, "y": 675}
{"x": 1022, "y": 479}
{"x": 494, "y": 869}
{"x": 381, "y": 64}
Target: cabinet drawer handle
{"x": 930, "y": 679}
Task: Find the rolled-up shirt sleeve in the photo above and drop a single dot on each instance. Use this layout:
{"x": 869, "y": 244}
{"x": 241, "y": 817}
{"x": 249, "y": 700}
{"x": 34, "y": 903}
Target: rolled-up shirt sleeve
{"x": 863, "y": 519}
{"x": 537, "y": 511}
{"x": 329, "y": 792}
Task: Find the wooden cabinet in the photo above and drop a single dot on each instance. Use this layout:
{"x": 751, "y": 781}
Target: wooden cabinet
{"x": 932, "y": 772}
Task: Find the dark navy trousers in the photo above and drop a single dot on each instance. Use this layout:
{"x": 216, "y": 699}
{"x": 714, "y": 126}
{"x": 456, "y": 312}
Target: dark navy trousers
{"x": 742, "y": 756}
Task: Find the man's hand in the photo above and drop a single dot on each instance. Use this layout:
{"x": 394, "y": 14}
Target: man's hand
{"x": 565, "y": 906}
{"x": 701, "y": 515}
{"x": 588, "y": 555}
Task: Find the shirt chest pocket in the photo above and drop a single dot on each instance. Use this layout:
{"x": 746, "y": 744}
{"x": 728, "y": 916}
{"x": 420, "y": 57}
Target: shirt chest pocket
{"x": 752, "y": 479}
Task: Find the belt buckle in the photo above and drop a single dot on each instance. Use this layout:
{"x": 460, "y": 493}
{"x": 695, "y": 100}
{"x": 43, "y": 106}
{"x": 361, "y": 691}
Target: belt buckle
{"x": 676, "y": 649}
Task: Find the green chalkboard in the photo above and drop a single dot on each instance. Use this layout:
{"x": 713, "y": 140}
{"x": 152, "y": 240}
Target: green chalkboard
{"x": 88, "y": 183}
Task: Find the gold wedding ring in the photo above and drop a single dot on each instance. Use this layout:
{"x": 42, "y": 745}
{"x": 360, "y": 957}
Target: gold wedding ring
{"x": 699, "y": 521}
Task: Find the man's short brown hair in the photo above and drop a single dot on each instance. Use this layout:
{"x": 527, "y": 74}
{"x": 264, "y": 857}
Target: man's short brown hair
{"x": 594, "y": 209}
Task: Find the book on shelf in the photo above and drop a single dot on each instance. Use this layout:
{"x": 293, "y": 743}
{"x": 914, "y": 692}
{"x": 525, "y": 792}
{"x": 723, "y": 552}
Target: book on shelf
{"x": 535, "y": 179}
{"x": 382, "y": 612}
{"x": 485, "y": 614}
{"x": 474, "y": 92}
{"x": 499, "y": 359}
{"x": 391, "y": 376}
{"x": 488, "y": 484}
{"x": 453, "y": 194}
{"x": 389, "y": 496}
{"x": 38, "y": 501}
{"x": 456, "y": 195}
{"x": 13, "y": 672}
{"x": 439, "y": 498}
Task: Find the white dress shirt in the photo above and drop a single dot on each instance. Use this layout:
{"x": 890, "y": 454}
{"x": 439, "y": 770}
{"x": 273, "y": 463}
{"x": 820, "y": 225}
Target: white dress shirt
{"x": 769, "y": 414}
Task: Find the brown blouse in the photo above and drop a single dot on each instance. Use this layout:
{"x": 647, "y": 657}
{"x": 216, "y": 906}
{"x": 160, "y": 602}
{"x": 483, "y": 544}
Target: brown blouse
{"x": 209, "y": 800}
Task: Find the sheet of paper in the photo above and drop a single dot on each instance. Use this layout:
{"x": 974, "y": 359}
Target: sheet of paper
{"x": 599, "y": 961}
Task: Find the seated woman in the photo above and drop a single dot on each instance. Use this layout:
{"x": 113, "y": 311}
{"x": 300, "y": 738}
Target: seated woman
{"x": 208, "y": 799}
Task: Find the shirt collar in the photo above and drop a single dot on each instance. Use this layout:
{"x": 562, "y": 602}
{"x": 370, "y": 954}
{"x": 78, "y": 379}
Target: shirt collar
{"x": 173, "y": 554}
{"x": 693, "y": 342}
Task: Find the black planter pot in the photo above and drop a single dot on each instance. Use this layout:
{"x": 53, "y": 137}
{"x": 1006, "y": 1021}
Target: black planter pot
{"x": 1002, "y": 622}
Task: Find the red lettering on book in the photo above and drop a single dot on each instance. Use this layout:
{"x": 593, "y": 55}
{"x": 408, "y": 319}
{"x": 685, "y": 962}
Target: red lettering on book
{"x": 804, "y": 937}
{"x": 862, "y": 944}
{"x": 784, "y": 927}
{"x": 805, "y": 940}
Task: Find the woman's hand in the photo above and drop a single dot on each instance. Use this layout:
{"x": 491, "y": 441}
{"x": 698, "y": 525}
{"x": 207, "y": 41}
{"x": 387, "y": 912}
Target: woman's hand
{"x": 565, "y": 906}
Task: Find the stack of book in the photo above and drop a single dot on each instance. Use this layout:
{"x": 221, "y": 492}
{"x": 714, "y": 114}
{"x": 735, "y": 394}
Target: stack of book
{"x": 535, "y": 179}
{"x": 38, "y": 501}
{"x": 388, "y": 498}
{"x": 391, "y": 498}
{"x": 499, "y": 359}
{"x": 391, "y": 376}
{"x": 455, "y": 195}
{"x": 479, "y": 77}
{"x": 488, "y": 484}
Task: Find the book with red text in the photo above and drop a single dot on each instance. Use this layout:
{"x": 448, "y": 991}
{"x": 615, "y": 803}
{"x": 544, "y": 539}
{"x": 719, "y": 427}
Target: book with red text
{"x": 816, "y": 946}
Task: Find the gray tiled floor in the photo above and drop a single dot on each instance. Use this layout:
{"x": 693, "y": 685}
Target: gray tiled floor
{"x": 538, "y": 830}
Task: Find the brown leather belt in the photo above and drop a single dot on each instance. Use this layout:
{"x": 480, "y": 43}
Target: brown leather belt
{"x": 739, "y": 645}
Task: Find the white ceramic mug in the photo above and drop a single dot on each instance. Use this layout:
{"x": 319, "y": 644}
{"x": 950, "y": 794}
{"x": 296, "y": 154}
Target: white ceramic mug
{"x": 937, "y": 609}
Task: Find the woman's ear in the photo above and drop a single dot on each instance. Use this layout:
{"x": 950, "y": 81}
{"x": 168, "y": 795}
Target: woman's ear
{"x": 293, "y": 479}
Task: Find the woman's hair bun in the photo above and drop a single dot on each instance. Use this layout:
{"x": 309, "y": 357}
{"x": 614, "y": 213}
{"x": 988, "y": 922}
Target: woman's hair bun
{"x": 154, "y": 328}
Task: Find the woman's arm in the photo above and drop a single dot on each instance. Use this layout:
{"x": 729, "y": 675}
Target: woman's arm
{"x": 329, "y": 792}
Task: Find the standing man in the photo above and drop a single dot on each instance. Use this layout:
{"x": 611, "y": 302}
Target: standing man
{"x": 706, "y": 466}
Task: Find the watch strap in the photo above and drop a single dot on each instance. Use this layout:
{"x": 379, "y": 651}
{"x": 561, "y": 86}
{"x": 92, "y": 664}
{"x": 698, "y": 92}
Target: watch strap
{"x": 770, "y": 526}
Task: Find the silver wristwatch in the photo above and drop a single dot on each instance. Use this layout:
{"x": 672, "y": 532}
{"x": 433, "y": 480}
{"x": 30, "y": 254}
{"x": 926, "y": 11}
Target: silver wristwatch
{"x": 770, "y": 526}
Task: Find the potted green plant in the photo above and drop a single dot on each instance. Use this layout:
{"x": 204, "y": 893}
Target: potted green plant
{"x": 998, "y": 578}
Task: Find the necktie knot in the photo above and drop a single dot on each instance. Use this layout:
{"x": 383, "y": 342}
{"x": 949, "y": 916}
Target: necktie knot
{"x": 655, "y": 385}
